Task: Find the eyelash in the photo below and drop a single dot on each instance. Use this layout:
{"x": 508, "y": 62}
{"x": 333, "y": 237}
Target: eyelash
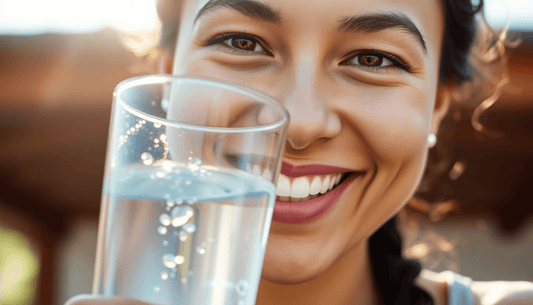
{"x": 219, "y": 40}
{"x": 397, "y": 62}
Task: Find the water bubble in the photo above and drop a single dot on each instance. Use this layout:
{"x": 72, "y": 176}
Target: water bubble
{"x": 132, "y": 129}
{"x": 157, "y": 125}
{"x": 179, "y": 259}
{"x": 168, "y": 261}
{"x": 156, "y": 140}
{"x": 182, "y": 235}
{"x": 188, "y": 182}
{"x": 201, "y": 249}
{"x": 241, "y": 287}
{"x": 194, "y": 164}
{"x": 147, "y": 158}
{"x": 157, "y": 288}
{"x": 160, "y": 175}
{"x": 179, "y": 201}
{"x": 162, "y": 230}
{"x": 164, "y": 219}
{"x": 164, "y": 275}
{"x": 170, "y": 203}
{"x": 167, "y": 165}
{"x": 181, "y": 215}
{"x": 163, "y": 137}
{"x": 189, "y": 227}
{"x": 183, "y": 280}
{"x": 165, "y": 243}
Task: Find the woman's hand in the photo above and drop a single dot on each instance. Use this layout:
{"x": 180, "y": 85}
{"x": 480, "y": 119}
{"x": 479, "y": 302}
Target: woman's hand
{"x": 87, "y": 299}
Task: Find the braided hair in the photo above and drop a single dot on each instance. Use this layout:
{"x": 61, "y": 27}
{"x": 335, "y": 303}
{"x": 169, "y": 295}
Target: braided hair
{"x": 395, "y": 276}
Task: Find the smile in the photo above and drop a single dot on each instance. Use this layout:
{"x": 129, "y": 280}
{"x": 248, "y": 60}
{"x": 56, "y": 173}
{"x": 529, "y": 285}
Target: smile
{"x": 304, "y": 198}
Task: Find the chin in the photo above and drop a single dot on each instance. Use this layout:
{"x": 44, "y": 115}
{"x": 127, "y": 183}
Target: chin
{"x": 292, "y": 265}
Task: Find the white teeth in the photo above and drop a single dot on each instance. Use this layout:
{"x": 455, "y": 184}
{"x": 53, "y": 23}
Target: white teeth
{"x": 332, "y": 183}
{"x": 325, "y": 185}
{"x": 284, "y": 186}
{"x": 300, "y": 187}
{"x": 339, "y": 177}
{"x": 315, "y": 186}
{"x": 267, "y": 175}
{"x": 305, "y": 187}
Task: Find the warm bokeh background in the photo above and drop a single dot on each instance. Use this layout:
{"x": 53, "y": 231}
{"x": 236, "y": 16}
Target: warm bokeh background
{"x": 55, "y": 101}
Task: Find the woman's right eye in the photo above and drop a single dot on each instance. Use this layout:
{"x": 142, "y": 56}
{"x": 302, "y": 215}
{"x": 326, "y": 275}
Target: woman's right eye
{"x": 239, "y": 42}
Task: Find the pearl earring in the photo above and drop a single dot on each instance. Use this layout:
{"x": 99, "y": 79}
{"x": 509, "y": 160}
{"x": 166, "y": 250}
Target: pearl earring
{"x": 432, "y": 140}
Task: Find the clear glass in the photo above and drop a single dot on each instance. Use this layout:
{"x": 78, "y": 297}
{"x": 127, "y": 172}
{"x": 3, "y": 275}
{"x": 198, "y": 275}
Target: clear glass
{"x": 188, "y": 191}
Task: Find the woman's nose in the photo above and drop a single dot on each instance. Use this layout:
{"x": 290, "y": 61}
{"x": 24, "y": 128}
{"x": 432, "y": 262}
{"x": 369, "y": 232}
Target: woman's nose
{"x": 311, "y": 116}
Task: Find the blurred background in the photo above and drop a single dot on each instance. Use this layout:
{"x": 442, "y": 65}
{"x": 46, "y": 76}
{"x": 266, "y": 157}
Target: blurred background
{"x": 59, "y": 63}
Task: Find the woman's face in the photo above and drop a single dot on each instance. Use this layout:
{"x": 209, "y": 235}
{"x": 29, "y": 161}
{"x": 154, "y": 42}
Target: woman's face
{"x": 360, "y": 81}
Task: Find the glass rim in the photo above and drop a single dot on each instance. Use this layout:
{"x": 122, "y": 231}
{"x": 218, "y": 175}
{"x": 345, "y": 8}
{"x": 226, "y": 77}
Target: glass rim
{"x": 235, "y": 87}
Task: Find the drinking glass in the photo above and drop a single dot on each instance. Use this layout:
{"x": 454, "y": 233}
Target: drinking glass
{"x": 188, "y": 191}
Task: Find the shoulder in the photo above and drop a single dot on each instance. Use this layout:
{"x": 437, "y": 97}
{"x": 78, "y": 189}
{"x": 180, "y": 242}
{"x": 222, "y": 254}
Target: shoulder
{"x": 484, "y": 293}
{"x": 502, "y": 293}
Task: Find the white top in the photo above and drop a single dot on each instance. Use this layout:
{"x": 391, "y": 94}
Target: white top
{"x": 459, "y": 292}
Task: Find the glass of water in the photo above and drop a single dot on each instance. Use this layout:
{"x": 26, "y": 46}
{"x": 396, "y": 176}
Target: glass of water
{"x": 188, "y": 191}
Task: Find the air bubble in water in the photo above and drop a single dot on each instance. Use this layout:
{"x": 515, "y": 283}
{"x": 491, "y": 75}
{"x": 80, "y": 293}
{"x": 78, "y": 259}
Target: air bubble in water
{"x": 160, "y": 175}
{"x": 182, "y": 235}
{"x": 157, "y": 288}
{"x": 164, "y": 219}
{"x": 189, "y": 227}
{"x": 194, "y": 164}
{"x": 168, "y": 261}
{"x": 188, "y": 182}
{"x": 179, "y": 259}
{"x": 162, "y": 230}
{"x": 164, "y": 275}
{"x": 170, "y": 203}
{"x": 179, "y": 201}
{"x": 201, "y": 249}
{"x": 165, "y": 243}
{"x": 241, "y": 287}
{"x": 181, "y": 214}
{"x": 183, "y": 280}
{"x": 157, "y": 125}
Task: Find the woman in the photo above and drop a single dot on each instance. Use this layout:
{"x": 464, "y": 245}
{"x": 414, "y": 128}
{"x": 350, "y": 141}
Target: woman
{"x": 366, "y": 83}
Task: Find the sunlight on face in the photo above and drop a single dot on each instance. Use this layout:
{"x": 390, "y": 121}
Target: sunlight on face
{"x": 360, "y": 81}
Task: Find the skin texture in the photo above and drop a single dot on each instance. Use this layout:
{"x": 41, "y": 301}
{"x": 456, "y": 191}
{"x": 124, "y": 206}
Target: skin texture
{"x": 376, "y": 121}
{"x": 342, "y": 114}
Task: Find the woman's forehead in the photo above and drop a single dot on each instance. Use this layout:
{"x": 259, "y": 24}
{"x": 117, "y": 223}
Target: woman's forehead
{"x": 422, "y": 16}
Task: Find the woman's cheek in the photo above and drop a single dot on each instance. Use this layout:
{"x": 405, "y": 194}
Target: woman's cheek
{"x": 257, "y": 77}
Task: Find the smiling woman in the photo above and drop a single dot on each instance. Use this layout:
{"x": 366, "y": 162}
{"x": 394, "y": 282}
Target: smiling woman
{"x": 367, "y": 84}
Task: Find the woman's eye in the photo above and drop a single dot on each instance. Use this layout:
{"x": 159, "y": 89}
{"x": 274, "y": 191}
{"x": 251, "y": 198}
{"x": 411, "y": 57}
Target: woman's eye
{"x": 370, "y": 60}
{"x": 244, "y": 44}
{"x": 376, "y": 60}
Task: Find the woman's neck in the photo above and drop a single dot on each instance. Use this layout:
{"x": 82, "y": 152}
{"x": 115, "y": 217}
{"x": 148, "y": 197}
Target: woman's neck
{"x": 350, "y": 280}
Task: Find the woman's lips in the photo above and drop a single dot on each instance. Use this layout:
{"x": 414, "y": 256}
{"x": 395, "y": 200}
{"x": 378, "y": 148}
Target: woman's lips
{"x": 297, "y": 212}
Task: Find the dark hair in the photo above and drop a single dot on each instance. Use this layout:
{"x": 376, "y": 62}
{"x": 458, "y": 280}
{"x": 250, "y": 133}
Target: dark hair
{"x": 394, "y": 275}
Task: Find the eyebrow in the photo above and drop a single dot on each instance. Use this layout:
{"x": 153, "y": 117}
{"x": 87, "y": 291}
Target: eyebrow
{"x": 378, "y": 22}
{"x": 250, "y": 8}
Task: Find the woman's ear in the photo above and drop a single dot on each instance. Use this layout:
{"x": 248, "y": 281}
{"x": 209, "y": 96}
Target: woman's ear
{"x": 442, "y": 104}
{"x": 166, "y": 61}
